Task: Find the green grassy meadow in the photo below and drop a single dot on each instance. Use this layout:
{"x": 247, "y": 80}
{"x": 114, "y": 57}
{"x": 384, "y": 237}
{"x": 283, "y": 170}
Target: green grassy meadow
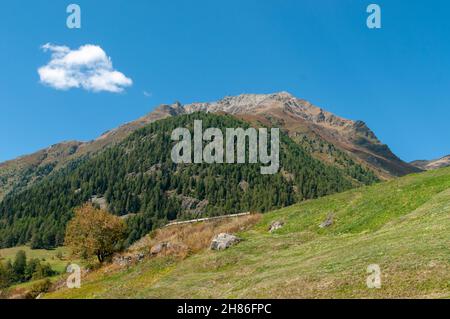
{"x": 58, "y": 259}
{"x": 47, "y": 256}
{"x": 402, "y": 225}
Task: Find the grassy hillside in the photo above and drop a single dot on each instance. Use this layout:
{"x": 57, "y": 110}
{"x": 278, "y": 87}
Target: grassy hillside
{"x": 57, "y": 258}
{"x": 402, "y": 225}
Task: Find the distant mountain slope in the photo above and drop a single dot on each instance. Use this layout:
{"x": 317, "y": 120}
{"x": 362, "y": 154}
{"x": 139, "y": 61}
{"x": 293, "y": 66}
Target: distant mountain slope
{"x": 328, "y": 137}
{"x": 15, "y": 175}
{"x": 23, "y": 171}
{"x": 402, "y": 226}
{"x": 137, "y": 178}
{"x": 432, "y": 164}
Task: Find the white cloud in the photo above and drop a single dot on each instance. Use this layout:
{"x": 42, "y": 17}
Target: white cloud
{"x": 88, "y": 68}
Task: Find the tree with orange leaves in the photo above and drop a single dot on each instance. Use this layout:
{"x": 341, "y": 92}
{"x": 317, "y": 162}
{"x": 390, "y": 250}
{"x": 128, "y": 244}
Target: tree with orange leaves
{"x": 94, "y": 232}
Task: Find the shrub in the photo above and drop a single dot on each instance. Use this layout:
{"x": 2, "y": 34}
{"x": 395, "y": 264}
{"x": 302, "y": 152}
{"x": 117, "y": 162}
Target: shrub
{"x": 39, "y": 287}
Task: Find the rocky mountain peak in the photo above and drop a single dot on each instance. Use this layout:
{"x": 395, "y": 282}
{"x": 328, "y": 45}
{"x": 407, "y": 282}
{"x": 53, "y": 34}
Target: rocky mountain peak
{"x": 298, "y": 115}
{"x": 240, "y": 104}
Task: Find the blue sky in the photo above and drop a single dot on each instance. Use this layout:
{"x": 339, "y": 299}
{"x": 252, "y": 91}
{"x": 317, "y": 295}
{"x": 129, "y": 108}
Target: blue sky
{"x": 395, "y": 79}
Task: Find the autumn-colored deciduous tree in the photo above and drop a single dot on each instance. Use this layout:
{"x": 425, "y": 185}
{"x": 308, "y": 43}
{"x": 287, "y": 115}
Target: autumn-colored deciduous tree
{"x": 94, "y": 232}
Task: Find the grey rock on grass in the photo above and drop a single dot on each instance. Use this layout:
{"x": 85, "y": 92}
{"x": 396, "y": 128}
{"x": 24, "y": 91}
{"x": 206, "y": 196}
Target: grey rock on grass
{"x": 224, "y": 241}
{"x": 328, "y": 222}
{"x": 276, "y": 225}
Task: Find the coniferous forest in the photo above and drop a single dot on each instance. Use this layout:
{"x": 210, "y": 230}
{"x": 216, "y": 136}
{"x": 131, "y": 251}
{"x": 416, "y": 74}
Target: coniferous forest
{"x": 137, "y": 179}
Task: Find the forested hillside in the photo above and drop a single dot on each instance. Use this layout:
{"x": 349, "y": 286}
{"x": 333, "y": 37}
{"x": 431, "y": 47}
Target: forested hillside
{"x": 138, "y": 180}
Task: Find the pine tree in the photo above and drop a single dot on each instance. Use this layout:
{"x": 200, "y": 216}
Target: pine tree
{"x": 20, "y": 265}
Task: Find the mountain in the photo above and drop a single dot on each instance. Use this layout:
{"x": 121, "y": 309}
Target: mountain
{"x": 16, "y": 175}
{"x": 304, "y": 120}
{"x": 433, "y": 164}
{"x": 137, "y": 179}
{"x": 401, "y": 225}
{"x": 327, "y": 137}
{"x": 26, "y": 170}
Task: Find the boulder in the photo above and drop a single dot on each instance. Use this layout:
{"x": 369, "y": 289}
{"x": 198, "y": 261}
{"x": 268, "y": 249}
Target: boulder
{"x": 158, "y": 248}
{"x": 128, "y": 260}
{"x": 276, "y": 225}
{"x": 244, "y": 185}
{"x": 140, "y": 256}
{"x": 224, "y": 241}
{"x": 327, "y": 222}
{"x": 123, "y": 261}
{"x": 99, "y": 201}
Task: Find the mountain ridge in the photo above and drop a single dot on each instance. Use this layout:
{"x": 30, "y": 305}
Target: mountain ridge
{"x": 428, "y": 165}
{"x": 350, "y": 136}
{"x": 300, "y": 118}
